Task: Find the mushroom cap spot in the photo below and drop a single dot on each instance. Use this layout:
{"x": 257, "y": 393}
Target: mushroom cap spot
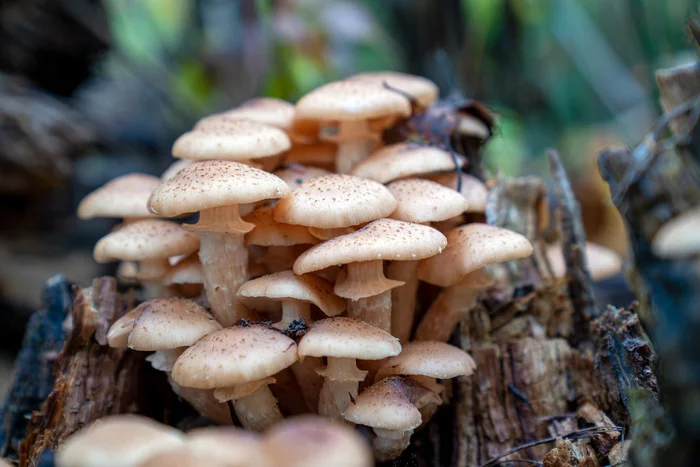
{"x": 187, "y": 271}
{"x": 473, "y": 189}
{"x": 268, "y": 110}
{"x": 225, "y": 138}
{"x": 234, "y": 356}
{"x": 678, "y": 238}
{"x": 428, "y": 358}
{"x": 209, "y": 184}
{"x": 348, "y": 338}
{"x": 386, "y": 405}
{"x": 422, "y": 89}
{"x": 425, "y": 201}
{"x": 335, "y": 201}
{"x": 269, "y": 232}
{"x": 602, "y": 262}
{"x": 296, "y": 174}
{"x": 471, "y": 247}
{"x": 125, "y": 196}
{"x": 405, "y": 160}
{"x": 286, "y": 285}
{"x": 145, "y": 239}
{"x": 384, "y": 239}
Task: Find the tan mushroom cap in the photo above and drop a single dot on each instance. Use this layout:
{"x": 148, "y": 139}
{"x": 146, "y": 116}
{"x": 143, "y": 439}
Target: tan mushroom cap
{"x": 602, "y": 262}
{"x": 146, "y": 239}
{"x": 351, "y": 100}
{"x": 348, "y": 338}
{"x": 296, "y": 174}
{"x": 385, "y": 239}
{"x": 181, "y": 457}
{"x": 404, "y": 160}
{"x": 422, "y": 89}
{"x": 679, "y": 237}
{"x": 228, "y": 139}
{"x": 187, "y": 271}
{"x": 425, "y": 201}
{"x": 471, "y": 247}
{"x": 230, "y": 445}
{"x": 428, "y": 358}
{"x": 117, "y": 441}
{"x": 234, "y": 356}
{"x": 313, "y": 441}
{"x": 473, "y": 189}
{"x": 386, "y": 405}
{"x": 268, "y": 232}
{"x": 320, "y": 154}
{"x": 268, "y": 110}
{"x": 285, "y": 285}
{"x": 125, "y": 196}
{"x": 335, "y": 201}
{"x": 174, "y": 168}
{"x": 210, "y": 184}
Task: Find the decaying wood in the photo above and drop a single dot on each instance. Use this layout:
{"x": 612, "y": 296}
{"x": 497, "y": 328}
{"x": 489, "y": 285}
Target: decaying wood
{"x": 92, "y": 379}
{"x": 568, "y": 454}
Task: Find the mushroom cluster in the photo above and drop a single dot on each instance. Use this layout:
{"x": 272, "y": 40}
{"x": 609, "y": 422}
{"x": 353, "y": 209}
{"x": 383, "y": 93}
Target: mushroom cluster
{"x": 295, "y": 291}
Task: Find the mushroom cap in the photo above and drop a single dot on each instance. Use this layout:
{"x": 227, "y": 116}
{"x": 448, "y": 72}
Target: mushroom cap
{"x": 386, "y": 405}
{"x": 471, "y": 247}
{"x": 473, "y": 189}
{"x": 313, "y": 441}
{"x": 423, "y": 201}
{"x": 348, "y": 338}
{"x": 335, "y": 201}
{"x": 181, "y": 457}
{"x": 602, "y": 262}
{"x": 227, "y": 444}
{"x": 405, "y": 160}
{"x": 145, "y": 239}
{"x": 351, "y": 100}
{"x": 225, "y": 138}
{"x": 234, "y": 356}
{"x": 268, "y": 110}
{"x": 385, "y": 239}
{"x": 296, "y": 174}
{"x": 428, "y": 358}
{"x": 209, "y": 184}
{"x": 174, "y": 168}
{"x": 320, "y": 154}
{"x": 285, "y": 285}
{"x": 187, "y": 271}
{"x": 269, "y": 232}
{"x": 116, "y": 441}
{"x": 125, "y": 196}
{"x": 422, "y": 89}
{"x": 678, "y": 238}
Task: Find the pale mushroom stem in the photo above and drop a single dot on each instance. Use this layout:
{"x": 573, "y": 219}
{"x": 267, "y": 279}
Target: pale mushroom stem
{"x": 403, "y": 298}
{"x": 204, "y": 402}
{"x": 293, "y": 310}
{"x": 340, "y": 387}
{"x": 258, "y": 410}
{"x": 150, "y": 272}
{"x": 355, "y": 143}
{"x": 375, "y": 309}
{"x": 163, "y": 360}
{"x": 389, "y": 444}
{"x": 309, "y": 381}
{"x": 444, "y": 314}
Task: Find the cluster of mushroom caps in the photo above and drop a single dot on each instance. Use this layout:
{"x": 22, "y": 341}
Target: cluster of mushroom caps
{"x": 304, "y": 217}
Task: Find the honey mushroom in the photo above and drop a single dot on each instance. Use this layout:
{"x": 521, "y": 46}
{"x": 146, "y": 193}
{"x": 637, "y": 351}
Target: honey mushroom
{"x": 473, "y": 190}
{"x": 678, "y": 238}
{"x": 185, "y": 278}
{"x": 601, "y": 261}
{"x": 124, "y": 197}
{"x": 215, "y": 189}
{"x": 228, "y": 445}
{"x": 267, "y": 110}
{"x": 424, "y": 91}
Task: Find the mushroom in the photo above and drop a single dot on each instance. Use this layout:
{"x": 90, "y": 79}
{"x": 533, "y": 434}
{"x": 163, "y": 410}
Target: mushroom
{"x": 390, "y": 408}
{"x": 124, "y": 197}
{"x": 678, "y": 238}
{"x": 422, "y": 202}
{"x": 267, "y": 110}
{"x": 459, "y": 270}
{"x": 238, "y": 363}
{"x": 424, "y": 91}
{"x": 311, "y": 441}
{"x": 343, "y": 341}
{"x": 186, "y": 277}
{"x": 150, "y": 242}
{"x": 227, "y": 445}
{"x": 318, "y": 155}
{"x": 117, "y": 441}
{"x": 601, "y": 261}
{"x": 352, "y": 106}
{"x": 174, "y": 168}
{"x": 405, "y": 160}
{"x": 367, "y": 289}
{"x": 166, "y": 326}
{"x": 204, "y": 402}
{"x": 473, "y": 189}
{"x": 181, "y": 457}
{"x": 215, "y": 189}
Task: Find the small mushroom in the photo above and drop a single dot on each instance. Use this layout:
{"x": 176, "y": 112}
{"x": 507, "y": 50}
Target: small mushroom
{"x": 343, "y": 341}
{"x": 601, "y": 261}
{"x": 424, "y": 91}
{"x": 267, "y": 110}
{"x": 678, "y": 238}
{"x": 473, "y": 189}
{"x": 124, "y": 197}
{"x": 230, "y": 446}
{"x": 181, "y": 457}
{"x": 186, "y": 277}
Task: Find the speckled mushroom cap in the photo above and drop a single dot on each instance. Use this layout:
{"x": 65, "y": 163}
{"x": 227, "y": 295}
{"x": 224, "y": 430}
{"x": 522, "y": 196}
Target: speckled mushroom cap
{"x": 234, "y": 356}
{"x": 404, "y": 160}
{"x": 469, "y": 248}
{"x": 187, "y": 271}
{"x": 428, "y": 358}
{"x": 313, "y": 441}
{"x": 296, "y": 174}
{"x": 116, "y": 441}
{"x": 385, "y": 239}
{"x": 174, "y": 168}
{"x": 348, "y": 338}
{"x": 222, "y": 138}
{"x": 473, "y": 189}
{"x": 335, "y": 201}
{"x": 125, "y": 196}
{"x": 602, "y": 262}
{"x": 678, "y": 238}
{"x": 351, "y": 100}
{"x": 268, "y": 232}
{"x": 145, "y": 239}
{"x": 210, "y": 184}
{"x": 267, "y": 110}
{"x": 422, "y": 89}
{"x": 320, "y": 155}
{"x": 228, "y": 444}
{"x": 161, "y": 324}
{"x": 425, "y": 201}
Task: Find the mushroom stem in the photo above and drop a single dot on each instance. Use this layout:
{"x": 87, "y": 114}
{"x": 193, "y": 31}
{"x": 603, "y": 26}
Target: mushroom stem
{"x": 258, "y": 410}
{"x": 163, "y": 360}
{"x": 375, "y": 310}
{"x": 293, "y": 310}
{"x": 204, "y": 402}
{"x": 389, "y": 444}
{"x": 310, "y": 382}
{"x": 150, "y": 272}
{"x": 340, "y": 387}
{"x": 221, "y": 219}
{"x": 355, "y": 142}
{"x": 403, "y": 298}
{"x": 444, "y": 314}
